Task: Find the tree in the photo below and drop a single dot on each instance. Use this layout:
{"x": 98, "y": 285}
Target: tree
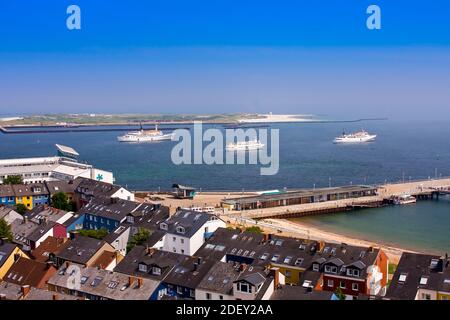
{"x": 96, "y": 234}
{"x": 21, "y": 208}
{"x": 339, "y": 294}
{"x": 138, "y": 239}
{"x": 5, "y": 230}
{"x": 13, "y": 180}
{"x": 254, "y": 229}
{"x": 61, "y": 201}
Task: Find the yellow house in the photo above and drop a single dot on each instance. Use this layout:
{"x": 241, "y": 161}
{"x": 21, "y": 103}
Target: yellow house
{"x": 443, "y": 296}
{"x": 27, "y": 201}
{"x": 292, "y": 274}
{"x": 8, "y": 254}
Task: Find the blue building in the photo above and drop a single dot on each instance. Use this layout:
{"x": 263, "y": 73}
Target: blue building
{"x": 107, "y": 215}
{"x": 7, "y": 195}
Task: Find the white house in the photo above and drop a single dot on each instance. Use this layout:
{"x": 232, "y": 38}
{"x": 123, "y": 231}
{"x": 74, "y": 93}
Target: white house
{"x": 187, "y": 231}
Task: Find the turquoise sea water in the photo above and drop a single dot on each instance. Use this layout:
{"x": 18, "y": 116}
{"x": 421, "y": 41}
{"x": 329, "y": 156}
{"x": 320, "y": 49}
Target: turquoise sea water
{"x": 307, "y": 157}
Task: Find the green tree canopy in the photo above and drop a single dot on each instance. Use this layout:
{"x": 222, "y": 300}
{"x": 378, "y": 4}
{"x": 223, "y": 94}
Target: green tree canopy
{"x": 21, "y": 208}
{"x": 138, "y": 239}
{"x": 255, "y": 229}
{"x": 13, "y": 180}
{"x": 5, "y": 230}
{"x": 61, "y": 201}
{"x": 339, "y": 294}
{"x": 96, "y": 234}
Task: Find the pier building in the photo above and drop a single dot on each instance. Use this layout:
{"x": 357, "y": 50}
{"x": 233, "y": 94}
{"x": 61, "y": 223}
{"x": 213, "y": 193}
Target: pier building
{"x": 63, "y": 167}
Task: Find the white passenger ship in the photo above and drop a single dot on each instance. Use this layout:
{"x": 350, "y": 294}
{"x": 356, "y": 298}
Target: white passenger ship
{"x": 245, "y": 145}
{"x": 357, "y": 137}
{"x": 145, "y": 136}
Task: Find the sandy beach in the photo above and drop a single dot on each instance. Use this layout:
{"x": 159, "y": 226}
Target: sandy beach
{"x": 304, "y": 231}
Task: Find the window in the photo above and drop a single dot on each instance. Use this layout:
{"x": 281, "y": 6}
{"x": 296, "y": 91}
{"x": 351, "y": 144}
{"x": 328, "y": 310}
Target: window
{"x": 264, "y": 256}
{"x": 299, "y": 262}
{"x": 192, "y": 293}
{"x": 288, "y": 274}
{"x": 208, "y": 296}
{"x": 113, "y": 284}
{"x": 426, "y": 296}
{"x": 331, "y": 269}
{"x": 287, "y": 260}
{"x": 342, "y": 284}
{"x": 220, "y": 297}
{"x": 244, "y": 287}
{"x": 355, "y": 287}
{"x": 275, "y": 258}
{"x": 330, "y": 283}
{"x": 402, "y": 277}
{"x": 156, "y": 271}
{"x": 142, "y": 267}
{"x": 315, "y": 267}
{"x": 174, "y": 239}
{"x": 84, "y": 279}
{"x": 423, "y": 280}
{"x": 182, "y": 240}
{"x": 179, "y": 290}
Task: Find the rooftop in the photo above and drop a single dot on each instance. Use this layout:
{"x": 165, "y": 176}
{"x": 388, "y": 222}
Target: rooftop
{"x": 108, "y": 284}
{"x": 80, "y": 249}
{"x": 27, "y": 272}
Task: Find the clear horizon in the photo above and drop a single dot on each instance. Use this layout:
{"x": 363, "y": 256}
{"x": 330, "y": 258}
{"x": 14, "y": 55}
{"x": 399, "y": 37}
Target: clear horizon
{"x": 225, "y": 57}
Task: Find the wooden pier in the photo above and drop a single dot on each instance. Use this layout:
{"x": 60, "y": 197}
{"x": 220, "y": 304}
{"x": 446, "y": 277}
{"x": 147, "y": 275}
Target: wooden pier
{"x": 421, "y": 189}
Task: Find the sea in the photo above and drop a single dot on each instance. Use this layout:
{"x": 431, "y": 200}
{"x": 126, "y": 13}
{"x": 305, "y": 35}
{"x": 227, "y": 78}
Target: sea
{"x": 403, "y": 151}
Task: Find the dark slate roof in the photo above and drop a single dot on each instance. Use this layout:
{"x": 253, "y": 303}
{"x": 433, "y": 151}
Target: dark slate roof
{"x": 80, "y": 250}
{"x": 6, "y": 190}
{"x": 41, "y": 230}
{"x": 220, "y": 278}
{"x": 94, "y": 188}
{"x": 259, "y": 249}
{"x": 346, "y": 256}
{"x": 32, "y": 189}
{"x": 44, "y": 212}
{"x": 254, "y": 278}
{"x": 287, "y": 292}
{"x": 191, "y": 221}
{"x": 189, "y": 272}
{"x": 6, "y": 249}
{"x": 163, "y": 259}
{"x": 413, "y": 267}
{"x": 117, "y": 209}
{"x": 62, "y": 186}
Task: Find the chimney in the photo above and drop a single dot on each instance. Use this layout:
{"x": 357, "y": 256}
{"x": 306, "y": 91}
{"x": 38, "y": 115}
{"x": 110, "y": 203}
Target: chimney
{"x": 140, "y": 283}
{"x": 321, "y": 246}
{"x": 49, "y": 265}
{"x": 371, "y": 249}
{"x": 130, "y": 281}
{"x": 242, "y": 267}
{"x": 266, "y": 238}
{"x": 199, "y": 260}
{"x": 150, "y": 251}
{"x": 25, "y": 290}
{"x": 67, "y": 264}
{"x": 275, "y": 273}
{"x": 195, "y": 266}
{"x": 54, "y": 296}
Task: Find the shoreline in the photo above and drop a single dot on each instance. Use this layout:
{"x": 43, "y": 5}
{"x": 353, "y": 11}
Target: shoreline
{"x": 394, "y": 252}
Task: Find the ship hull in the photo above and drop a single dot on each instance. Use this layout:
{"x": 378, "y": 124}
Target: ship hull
{"x": 355, "y": 140}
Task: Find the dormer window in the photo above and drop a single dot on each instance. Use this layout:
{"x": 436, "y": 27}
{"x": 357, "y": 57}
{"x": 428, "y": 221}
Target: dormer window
{"x": 163, "y": 226}
{"x": 181, "y": 229}
{"x": 143, "y": 267}
{"x": 156, "y": 271}
{"x": 244, "y": 287}
{"x": 331, "y": 269}
{"x": 287, "y": 260}
{"x": 423, "y": 280}
{"x": 299, "y": 262}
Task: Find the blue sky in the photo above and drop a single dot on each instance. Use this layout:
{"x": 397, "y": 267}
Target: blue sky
{"x": 226, "y": 56}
